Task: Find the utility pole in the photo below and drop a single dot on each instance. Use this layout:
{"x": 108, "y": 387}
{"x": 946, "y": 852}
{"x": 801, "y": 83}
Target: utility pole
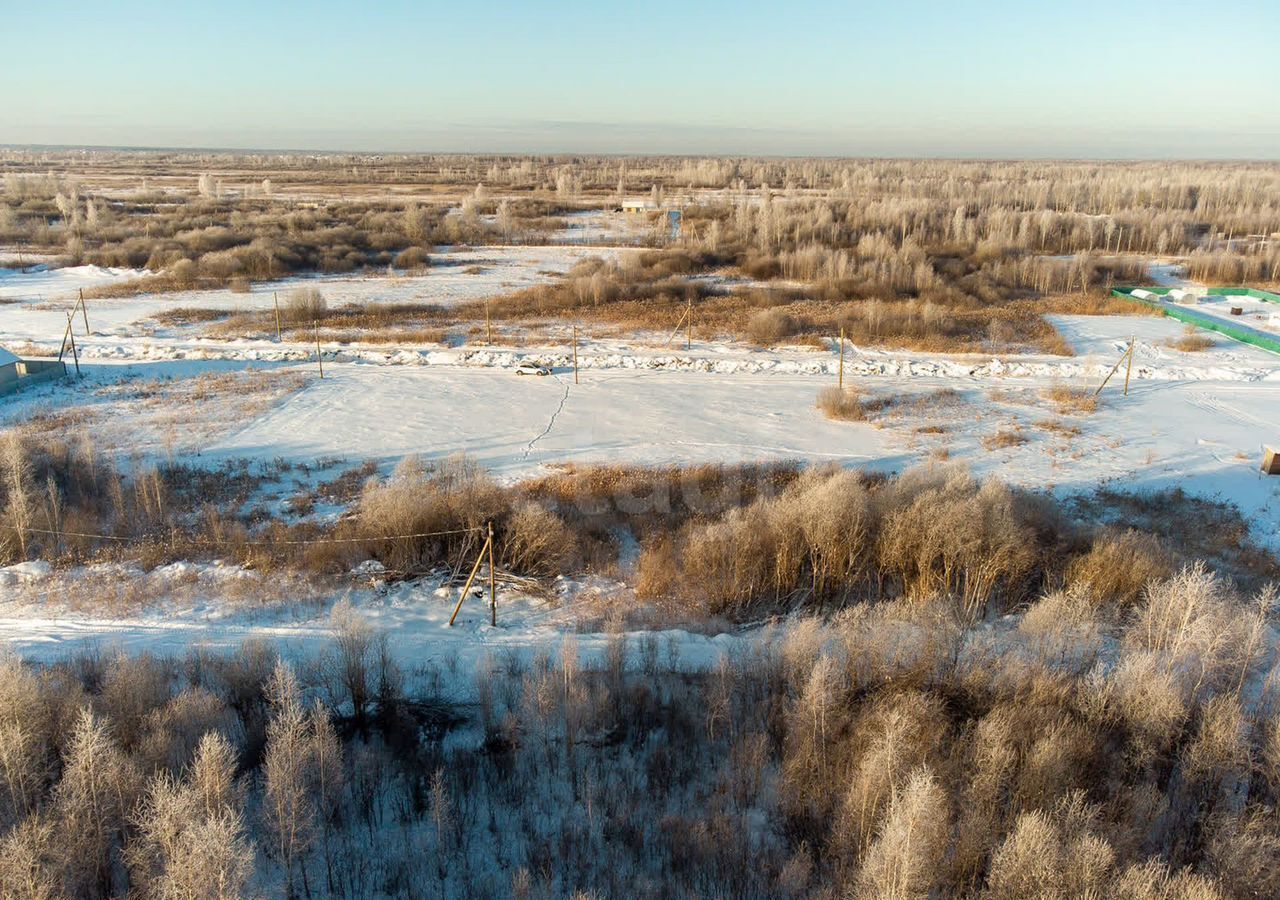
{"x": 575, "y": 354}
{"x": 75, "y": 354}
{"x": 319, "y": 358}
{"x": 276, "y": 296}
{"x": 493, "y": 589}
{"x": 688, "y": 325}
{"x": 842, "y": 357}
{"x": 1129, "y": 369}
{"x": 488, "y": 326}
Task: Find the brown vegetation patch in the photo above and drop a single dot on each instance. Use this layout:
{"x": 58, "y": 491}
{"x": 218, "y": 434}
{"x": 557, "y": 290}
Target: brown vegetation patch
{"x": 1071, "y": 400}
{"x": 1002, "y": 438}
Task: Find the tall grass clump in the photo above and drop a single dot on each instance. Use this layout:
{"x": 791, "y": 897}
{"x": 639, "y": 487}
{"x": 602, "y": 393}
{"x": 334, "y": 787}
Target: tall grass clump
{"x": 303, "y": 305}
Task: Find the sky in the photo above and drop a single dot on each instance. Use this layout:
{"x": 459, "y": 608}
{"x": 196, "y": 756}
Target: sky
{"x": 1003, "y": 78}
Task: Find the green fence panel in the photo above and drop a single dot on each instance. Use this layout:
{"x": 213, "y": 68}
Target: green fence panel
{"x": 1241, "y": 333}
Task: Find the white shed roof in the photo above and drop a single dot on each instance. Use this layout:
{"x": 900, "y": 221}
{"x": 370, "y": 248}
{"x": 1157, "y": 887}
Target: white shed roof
{"x": 6, "y": 358}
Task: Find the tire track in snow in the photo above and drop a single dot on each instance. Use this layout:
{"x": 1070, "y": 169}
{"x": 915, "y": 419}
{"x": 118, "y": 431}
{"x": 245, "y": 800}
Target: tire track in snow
{"x": 550, "y": 424}
{"x": 1216, "y": 404}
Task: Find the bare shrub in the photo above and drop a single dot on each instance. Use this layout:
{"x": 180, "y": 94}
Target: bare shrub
{"x": 974, "y": 539}
{"x": 769, "y": 326}
{"x": 192, "y": 837}
{"x": 415, "y": 258}
{"x": 845, "y": 404}
{"x": 536, "y": 540}
{"x": 303, "y": 305}
{"x": 1119, "y": 565}
{"x": 451, "y": 496}
{"x": 905, "y": 861}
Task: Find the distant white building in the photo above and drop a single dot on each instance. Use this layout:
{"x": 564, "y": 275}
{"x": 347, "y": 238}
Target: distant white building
{"x": 637, "y": 206}
{"x": 17, "y": 373}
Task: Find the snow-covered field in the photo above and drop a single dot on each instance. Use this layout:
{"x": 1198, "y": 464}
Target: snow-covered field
{"x": 34, "y": 303}
{"x": 1192, "y": 420}
{"x": 199, "y": 613}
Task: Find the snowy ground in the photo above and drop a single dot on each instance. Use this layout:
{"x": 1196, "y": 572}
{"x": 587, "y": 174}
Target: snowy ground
{"x": 599, "y": 226}
{"x": 1192, "y": 420}
{"x": 199, "y": 612}
{"x": 34, "y": 303}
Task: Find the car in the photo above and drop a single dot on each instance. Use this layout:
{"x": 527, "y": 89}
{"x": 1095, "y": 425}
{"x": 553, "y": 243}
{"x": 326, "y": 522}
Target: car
{"x": 532, "y": 369}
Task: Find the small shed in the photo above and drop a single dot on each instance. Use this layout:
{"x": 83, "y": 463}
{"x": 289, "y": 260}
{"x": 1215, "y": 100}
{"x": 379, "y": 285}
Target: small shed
{"x": 1271, "y": 460}
{"x": 637, "y": 206}
{"x": 17, "y": 373}
{"x": 8, "y": 368}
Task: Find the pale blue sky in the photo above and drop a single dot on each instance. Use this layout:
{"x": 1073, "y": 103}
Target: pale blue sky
{"x": 1123, "y": 78}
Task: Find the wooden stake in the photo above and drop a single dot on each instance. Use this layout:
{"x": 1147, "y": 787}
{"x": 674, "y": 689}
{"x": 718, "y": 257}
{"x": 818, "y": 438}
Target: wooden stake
{"x": 84, "y": 312}
{"x": 674, "y": 331}
{"x": 575, "y": 354}
{"x": 1129, "y": 369}
{"x": 493, "y": 588}
{"x": 276, "y": 296}
{"x": 688, "y": 336}
{"x": 470, "y": 578}
{"x": 75, "y": 354}
{"x": 488, "y": 326}
{"x": 319, "y": 358}
{"x": 65, "y": 335}
{"x": 1114, "y": 368}
{"x": 842, "y": 357}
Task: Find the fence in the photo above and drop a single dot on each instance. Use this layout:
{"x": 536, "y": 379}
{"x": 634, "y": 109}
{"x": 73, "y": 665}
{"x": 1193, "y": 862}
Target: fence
{"x": 1233, "y": 330}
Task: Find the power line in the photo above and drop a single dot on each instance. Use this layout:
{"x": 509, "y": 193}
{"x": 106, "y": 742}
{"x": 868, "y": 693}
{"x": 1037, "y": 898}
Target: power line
{"x": 251, "y": 543}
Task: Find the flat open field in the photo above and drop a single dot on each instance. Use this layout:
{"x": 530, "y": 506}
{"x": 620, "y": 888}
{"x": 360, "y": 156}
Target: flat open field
{"x": 549, "y": 534}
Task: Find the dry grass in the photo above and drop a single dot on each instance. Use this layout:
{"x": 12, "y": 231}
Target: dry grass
{"x": 1192, "y": 341}
{"x": 845, "y": 404}
{"x": 1011, "y": 436}
{"x": 190, "y": 315}
{"x": 1058, "y": 427}
{"x": 1119, "y": 565}
{"x": 1071, "y": 400}
{"x": 408, "y": 322}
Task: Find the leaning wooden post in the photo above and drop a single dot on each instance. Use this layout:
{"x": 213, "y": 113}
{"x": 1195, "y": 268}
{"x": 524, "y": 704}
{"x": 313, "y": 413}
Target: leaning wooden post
{"x": 63, "y": 348}
{"x": 319, "y": 358}
{"x": 276, "y": 297}
{"x": 470, "y": 578}
{"x": 75, "y": 354}
{"x": 575, "y": 354}
{"x": 1129, "y": 369}
{"x": 1114, "y": 369}
{"x": 493, "y": 585}
{"x": 842, "y": 357}
{"x": 84, "y": 312}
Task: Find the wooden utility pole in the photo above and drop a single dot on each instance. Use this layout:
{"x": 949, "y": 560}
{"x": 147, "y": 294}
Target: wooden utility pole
{"x": 276, "y": 296}
{"x": 470, "y": 579}
{"x": 84, "y": 312}
{"x": 1127, "y": 355}
{"x": 65, "y": 334}
{"x": 575, "y": 354}
{"x": 75, "y": 354}
{"x": 319, "y": 358}
{"x": 842, "y": 357}
{"x": 493, "y": 586}
{"x": 1129, "y": 369}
